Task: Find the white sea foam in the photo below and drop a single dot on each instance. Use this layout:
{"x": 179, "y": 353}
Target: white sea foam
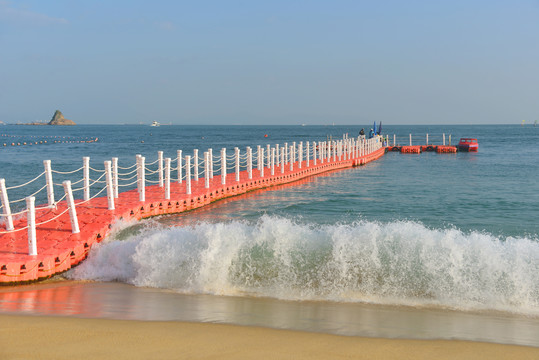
{"x": 402, "y": 263}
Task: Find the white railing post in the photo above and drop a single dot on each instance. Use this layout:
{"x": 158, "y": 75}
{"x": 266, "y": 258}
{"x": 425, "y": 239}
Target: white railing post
{"x": 277, "y": 155}
{"x": 206, "y": 169}
{"x": 314, "y": 152}
{"x": 179, "y": 153}
{"x": 188, "y": 175}
{"x": 427, "y": 138}
{"x": 115, "y": 176}
{"x": 282, "y": 160}
{"x": 300, "y": 154}
{"x": 410, "y": 139}
{"x": 142, "y": 193}
{"x": 223, "y": 166}
{"x": 195, "y": 164}
{"x": 31, "y": 222}
{"x": 328, "y": 152}
{"x": 259, "y": 159}
{"x": 5, "y": 203}
{"x": 291, "y": 159}
{"x": 272, "y": 165}
{"x": 394, "y": 140}
{"x": 285, "y": 148}
{"x": 71, "y": 206}
{"x": 262, "y": 162}
{"x": 50, "y": 185}
{"x": 250, "y": 162}
{"x": 449, "y": 139}
{"x": 160, "y": 167}
{"x": 86, "y": 177}
{"x": 443, "y": 139}
{"x": 308, "y": 153}
{"x": 268, "y": 157}
{"x": 237, "y": 153}
{"x": 210, "y": 162}
{"x": 110, "y": 190}
{"x": 137, "y": 161}
{"x": 167, "y": 178}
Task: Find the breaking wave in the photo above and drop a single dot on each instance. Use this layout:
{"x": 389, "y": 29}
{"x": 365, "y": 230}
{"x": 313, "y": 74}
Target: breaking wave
{"x": 401, "y": 263}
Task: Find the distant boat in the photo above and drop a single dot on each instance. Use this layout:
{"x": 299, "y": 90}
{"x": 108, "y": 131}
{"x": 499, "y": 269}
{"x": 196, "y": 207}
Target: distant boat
{"x": 155, "y": 123}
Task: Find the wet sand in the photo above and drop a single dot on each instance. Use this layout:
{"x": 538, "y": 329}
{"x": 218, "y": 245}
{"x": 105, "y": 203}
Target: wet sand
{"x": 32, "y": 337}
{"x": 125, "y": 302}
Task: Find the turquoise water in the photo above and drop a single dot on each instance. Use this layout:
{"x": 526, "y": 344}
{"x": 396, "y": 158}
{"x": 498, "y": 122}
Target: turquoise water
{"x": 452, "y": 231}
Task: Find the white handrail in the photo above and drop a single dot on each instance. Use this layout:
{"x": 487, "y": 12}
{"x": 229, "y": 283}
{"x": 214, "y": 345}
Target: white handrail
{"x": 26, "y": 183}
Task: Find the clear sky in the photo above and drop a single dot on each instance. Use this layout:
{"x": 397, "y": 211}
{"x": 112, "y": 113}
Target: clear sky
{"x": 270, "y": 62}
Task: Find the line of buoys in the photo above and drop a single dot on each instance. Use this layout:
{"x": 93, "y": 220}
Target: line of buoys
{"x": 48, "y": 136}
{"x": 49, "y": 142}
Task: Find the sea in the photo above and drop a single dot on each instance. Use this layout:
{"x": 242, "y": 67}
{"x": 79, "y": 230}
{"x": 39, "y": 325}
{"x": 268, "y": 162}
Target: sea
{"x": 421, "y": 246}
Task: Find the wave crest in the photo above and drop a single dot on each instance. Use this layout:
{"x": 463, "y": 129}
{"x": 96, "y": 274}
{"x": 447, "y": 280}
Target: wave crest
{"x": 403, "y": 263}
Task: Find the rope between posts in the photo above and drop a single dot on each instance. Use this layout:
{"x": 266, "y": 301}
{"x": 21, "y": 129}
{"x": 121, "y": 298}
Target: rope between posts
{"x": 91, "y": 168}
{"x": 99, "y": 178}
{"x": 123, "y": 185}
{"x": 13, "y": 231}
{"x": 150, "y": 172}
{"x": 153, "y": 162}
{"x": 66, "y": 172}
{"x": 73, "y": 183}
{"x": 127, "y": 168}
{"x": 93, "y": 197}
{"x": 128, "y": 173}
{"x": 19, "y": 213}
{"x": 52, "y": 219}
{"x": 127, "y": 179}
{"x": 152, "y": 181}
{"x": 55, "y": 203}
{"x": 23, "y": 199}
{"x": 26, "y": 183}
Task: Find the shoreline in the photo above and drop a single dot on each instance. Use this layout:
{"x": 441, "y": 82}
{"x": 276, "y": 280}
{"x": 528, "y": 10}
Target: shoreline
{"x": 67, "y": 338}
{"x": 117, "y": 301}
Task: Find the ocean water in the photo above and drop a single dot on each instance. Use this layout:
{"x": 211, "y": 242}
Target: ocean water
{"x": 452, "y": 232}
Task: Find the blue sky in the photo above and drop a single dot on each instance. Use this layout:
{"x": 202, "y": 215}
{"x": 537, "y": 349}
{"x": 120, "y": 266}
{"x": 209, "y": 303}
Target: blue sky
{"x": 270, "y": 62}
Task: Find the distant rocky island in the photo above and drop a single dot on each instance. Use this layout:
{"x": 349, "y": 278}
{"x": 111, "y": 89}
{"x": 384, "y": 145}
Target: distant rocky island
{"x": 57, "y": 119}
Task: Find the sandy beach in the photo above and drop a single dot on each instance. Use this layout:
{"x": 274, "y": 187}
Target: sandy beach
{"x": 32, "y": 337}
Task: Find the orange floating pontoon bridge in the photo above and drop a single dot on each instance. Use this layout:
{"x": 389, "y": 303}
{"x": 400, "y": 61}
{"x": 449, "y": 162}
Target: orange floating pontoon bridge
{"x": 41, "y": 241}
